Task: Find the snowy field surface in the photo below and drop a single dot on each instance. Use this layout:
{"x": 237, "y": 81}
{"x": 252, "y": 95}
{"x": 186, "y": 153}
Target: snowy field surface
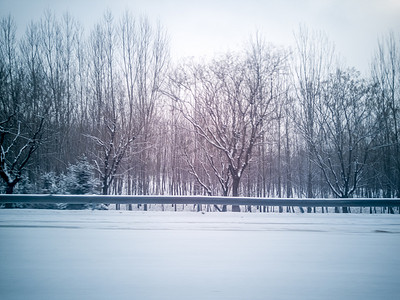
{"x": 47, "y": 254}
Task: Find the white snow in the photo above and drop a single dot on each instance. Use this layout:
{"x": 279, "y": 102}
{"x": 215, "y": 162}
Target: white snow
{"x": 47, "y": 254}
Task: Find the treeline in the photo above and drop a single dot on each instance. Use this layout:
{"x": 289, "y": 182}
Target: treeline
{"x": 266, "y": 121}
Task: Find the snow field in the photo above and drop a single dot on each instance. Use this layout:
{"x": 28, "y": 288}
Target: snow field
{"x": 47, "y": 254}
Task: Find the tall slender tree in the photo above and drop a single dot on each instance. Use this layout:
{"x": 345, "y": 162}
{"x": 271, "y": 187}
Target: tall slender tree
{"x": 313, "y": 60}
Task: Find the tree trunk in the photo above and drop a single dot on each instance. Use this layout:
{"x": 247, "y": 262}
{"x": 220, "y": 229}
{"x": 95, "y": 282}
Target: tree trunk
{"x": 10, "y": 190}
{"x": 235, "y": 191}
{"x": 309, "y": 182}
{"x": 105, "y": 186}
{"x": 10, "y": 187}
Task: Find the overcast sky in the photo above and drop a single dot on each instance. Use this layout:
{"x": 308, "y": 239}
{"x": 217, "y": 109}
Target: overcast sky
{"x": 203, "y": 28}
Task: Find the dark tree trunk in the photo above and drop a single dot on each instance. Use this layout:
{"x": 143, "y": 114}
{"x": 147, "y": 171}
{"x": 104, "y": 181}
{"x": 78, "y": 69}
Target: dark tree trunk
{"x": 105, "y": 187}
{"x": 235, "y": 192}
{"x": 10, "y": 190}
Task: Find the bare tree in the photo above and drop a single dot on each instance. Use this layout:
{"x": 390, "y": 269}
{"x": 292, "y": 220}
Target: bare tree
{"x": 125, "y": 85}
{"x": 16, "y": 151}
{"x": 313, "y": 59}
{"x": 346, "y": 132}
{"x": 229, "y": 103}
{"x": 144, "y": 63}
{"x": 111, "y": 135}
{"x": 21, "y": 127}
{"x": 386, "y": 75}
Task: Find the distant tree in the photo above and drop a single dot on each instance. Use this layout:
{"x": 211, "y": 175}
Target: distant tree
{"x": 386, "y": 76}
{"x": 313, "y": 60}
{"x": 50, "y": 184}
{"x": 347, "y": 129}
{"x": 144, "y": 53}
{"x": 80, "y": 178}
{"x": 110, "y": 134}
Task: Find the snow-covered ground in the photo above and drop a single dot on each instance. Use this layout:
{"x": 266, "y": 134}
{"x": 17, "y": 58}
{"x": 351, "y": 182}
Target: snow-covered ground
{"x": 47, "y": 254}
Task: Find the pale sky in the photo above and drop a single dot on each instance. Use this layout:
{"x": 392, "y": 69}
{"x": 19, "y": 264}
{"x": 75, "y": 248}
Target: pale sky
{"x": 203, "y": 28}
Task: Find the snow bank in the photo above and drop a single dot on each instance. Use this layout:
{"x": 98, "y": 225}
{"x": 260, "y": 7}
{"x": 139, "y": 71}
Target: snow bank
{"x": 48, "y": 254}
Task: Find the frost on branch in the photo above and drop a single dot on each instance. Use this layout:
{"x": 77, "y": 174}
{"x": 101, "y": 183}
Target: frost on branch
{"x": 16, "y": 150}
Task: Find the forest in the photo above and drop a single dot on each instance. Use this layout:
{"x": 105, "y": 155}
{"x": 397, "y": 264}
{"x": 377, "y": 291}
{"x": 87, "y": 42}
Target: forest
{"x": 107, "y": 111}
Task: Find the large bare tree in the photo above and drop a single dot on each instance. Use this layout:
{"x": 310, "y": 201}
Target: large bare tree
{"x": 229, "y": 103}
{"x": 347, "y": 128}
